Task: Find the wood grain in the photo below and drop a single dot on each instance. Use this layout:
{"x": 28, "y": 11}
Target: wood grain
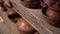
{"x": 35, "y": 18}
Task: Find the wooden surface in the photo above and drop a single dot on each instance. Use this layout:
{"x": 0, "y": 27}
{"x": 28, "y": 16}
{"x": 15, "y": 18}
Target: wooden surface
{"x": 35, "y": 18}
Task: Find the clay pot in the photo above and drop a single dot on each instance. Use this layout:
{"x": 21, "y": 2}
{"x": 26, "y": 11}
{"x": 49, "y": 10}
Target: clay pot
{"x": 14, "y": 17}
{"x": 53, "y": 15}
{"x": 31, "y": 3}
{"x": 24, "y": 26}
{"x": 11, "y": 11}
{"x": 12, "y": 14}
{"x": 53, "y": 4}
{"x": 53, "y": 11}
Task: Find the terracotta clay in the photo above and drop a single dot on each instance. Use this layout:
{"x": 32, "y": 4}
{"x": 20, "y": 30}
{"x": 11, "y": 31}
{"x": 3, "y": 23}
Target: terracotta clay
{"x": 12, "y": 14}
{"x": 34, "y": 4}
{"x": 53, "y": 4}
{"x": 14, "y": 17}
{"x": 53, "y": 11}
{"x": 24, "y": 26}
{"x": 53, "y": 15}
{"x": 11, "y": 11}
